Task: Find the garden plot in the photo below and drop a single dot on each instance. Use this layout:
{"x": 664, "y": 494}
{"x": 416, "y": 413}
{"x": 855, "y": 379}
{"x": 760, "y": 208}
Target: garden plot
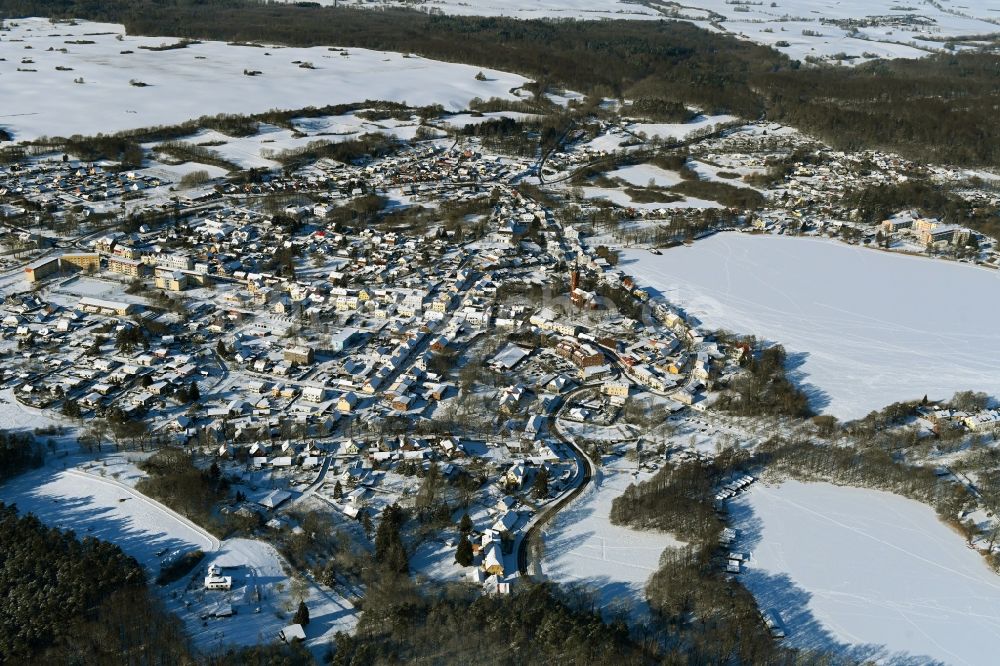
{"x": 862, "y": 328}
{"x": 201, "y": 79}
{"x": 869, "y": 574}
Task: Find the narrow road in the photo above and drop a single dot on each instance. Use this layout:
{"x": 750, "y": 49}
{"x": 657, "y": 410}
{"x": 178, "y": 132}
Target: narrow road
{"x": 314, "y": 486}
{"x": 588, "y": 473}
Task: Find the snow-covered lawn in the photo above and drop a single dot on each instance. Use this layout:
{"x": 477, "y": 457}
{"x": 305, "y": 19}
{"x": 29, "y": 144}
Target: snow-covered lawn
{"x": 202, "y": 79}
{"x": 582, "y": 546}
{"x": 15, "y": 416}
{"x": 871, "y": 574}
{"x": 863, "y": 328}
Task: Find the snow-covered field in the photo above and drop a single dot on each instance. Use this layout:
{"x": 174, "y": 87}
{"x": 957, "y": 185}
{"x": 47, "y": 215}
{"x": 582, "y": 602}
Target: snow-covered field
{"x": 582, "y": 546}
{"x": 101, "y": 507}
{"x": 862, "y": 328}
{"x": 201, "y": 79}
{"x": 523, "y": 9}
{"x": 885, "y": 28}
{"x": 870, "y": 574}
{"x": 680, "y": 131}
{"x": 109, "y": 508}
{"x": 642, "y": 174}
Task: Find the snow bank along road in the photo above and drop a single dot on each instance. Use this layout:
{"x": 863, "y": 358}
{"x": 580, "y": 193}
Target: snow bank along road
{"x": 863, "y": 328}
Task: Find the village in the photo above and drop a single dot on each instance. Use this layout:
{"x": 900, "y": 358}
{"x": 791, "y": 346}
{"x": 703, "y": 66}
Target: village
{"x": 329, "y": 338}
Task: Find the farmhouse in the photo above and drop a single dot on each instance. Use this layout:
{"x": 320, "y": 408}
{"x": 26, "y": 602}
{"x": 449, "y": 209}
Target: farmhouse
{"x": 215, "y": 581}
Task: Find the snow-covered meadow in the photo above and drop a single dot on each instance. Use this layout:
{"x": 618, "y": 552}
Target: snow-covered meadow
{"x": 201, "y": 79}
{"x": 98, "y": 500}
{"x": 581, "y": 546}
{"x": 104, "y": 508}
{"x": 868, "y": 574}
{"x": 522, "y": 9}
{"x": 862, "y": 328}
{"x": 798, "y": 28}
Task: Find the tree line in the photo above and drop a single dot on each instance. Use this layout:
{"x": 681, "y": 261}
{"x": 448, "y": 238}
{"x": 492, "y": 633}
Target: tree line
{"x": 68, "y": 600}
{"x": 939, "y": 108}
{"x": 19, "y": 452}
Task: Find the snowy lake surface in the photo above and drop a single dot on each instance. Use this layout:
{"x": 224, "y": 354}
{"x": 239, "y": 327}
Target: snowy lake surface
{"x": 583, "y": 547}
{"x": 863, "y": 328}
{"x": 872, "y": 575}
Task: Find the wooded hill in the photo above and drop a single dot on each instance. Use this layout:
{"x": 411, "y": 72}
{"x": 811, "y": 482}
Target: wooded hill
{"x": 941, "y": 108}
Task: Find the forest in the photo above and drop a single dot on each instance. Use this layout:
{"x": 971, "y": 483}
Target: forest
{"x": 764, "y": 387}
{"x": 453, "y": 625}
{"x": 940, "y": 108}
{"x": 174, "y": 480}
{"x": 68, "y": 600}
{"x": 18, "y": 453}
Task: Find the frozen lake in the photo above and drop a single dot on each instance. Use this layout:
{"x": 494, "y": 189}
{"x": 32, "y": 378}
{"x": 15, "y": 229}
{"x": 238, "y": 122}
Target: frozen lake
{"x": 862, "y": 328}
{"x": 869, "y": 574}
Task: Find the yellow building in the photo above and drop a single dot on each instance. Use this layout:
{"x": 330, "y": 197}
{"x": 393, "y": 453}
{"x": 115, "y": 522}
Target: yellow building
{"x": 42, "y": 268}
{"x": 84, "y": 261}
{"x": 171, "y": 280}
{"x": 130, "y": 267}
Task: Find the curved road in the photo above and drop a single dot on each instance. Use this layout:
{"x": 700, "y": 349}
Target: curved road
{"x": 549, "y": 513}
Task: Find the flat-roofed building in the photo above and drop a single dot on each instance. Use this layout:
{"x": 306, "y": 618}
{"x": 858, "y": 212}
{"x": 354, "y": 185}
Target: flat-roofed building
{"x": 84, "y": 261}
{"x": 130, "y": 267}
{"x": 42, "y": 268}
